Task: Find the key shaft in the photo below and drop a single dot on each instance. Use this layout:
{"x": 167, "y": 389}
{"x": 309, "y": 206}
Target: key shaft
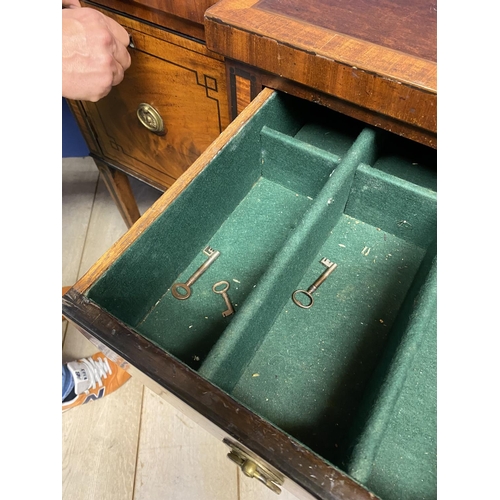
{"x": 202, "y": 269}
{"x": 322, "y": 278}
{"x": 330, "y": 267}
{"x": 223, "y": 291}
{"x": 186, "y": 287}
{"x": 230, "y": 308}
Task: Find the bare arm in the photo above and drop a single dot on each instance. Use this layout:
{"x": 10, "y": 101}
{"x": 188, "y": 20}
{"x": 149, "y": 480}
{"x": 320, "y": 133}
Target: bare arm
{"x": 94, "y": 53}
{"x": 70, "y": 4}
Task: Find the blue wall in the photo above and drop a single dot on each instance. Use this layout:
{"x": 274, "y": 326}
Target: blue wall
{"x": 73, "y": 143}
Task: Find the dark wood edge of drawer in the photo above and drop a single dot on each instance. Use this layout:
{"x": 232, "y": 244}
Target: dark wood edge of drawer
{"x": 281, "y": 451}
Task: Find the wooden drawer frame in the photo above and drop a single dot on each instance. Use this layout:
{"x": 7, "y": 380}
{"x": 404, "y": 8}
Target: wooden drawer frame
{"x": 210, "y": 406}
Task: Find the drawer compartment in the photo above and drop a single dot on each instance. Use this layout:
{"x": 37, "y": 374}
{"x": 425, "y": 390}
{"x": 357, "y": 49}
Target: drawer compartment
{"x": 351, "y": 378}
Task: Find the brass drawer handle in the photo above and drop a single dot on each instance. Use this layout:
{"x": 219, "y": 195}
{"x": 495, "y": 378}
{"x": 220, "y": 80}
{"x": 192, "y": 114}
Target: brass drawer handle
{"x": 150, "y": 118}
{"x": 251, "y": 467}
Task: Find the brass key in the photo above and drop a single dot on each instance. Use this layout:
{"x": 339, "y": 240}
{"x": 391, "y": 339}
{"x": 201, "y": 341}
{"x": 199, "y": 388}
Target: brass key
{"x": 330, "y": 267}
{"x": 186, "y": 287}
{"x": 216, "y": 289}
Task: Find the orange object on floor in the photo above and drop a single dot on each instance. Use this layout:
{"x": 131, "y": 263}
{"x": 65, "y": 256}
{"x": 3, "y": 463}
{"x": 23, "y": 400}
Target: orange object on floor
{"x": 94, "y": 377}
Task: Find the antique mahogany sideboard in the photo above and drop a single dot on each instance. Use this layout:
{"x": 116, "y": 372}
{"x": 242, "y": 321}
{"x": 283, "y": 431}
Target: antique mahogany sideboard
{"x": 375, "y": 61}
{"x": 296, "y": 139}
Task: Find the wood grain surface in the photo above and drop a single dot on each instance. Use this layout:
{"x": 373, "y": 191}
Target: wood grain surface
{"x": 184, "y": 17}
{"x": 408, "y": 26}
{"x": 365, "y": 67}
{"x": 188, "y": 9}
{"x": 184, "y": 82}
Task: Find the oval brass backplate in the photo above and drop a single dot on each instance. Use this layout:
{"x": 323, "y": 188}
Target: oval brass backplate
{"x": 252, "y": 467}
{"x": 150, "y": 118}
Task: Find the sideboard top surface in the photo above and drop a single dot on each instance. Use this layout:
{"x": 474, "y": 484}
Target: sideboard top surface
{"x": 408, "y": 27}
{"x": 396, "y": 39}
{"x": 379, "y": 55}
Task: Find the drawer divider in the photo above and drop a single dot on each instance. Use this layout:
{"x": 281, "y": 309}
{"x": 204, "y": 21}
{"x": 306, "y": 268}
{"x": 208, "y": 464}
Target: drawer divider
{"x": 417, "y": 322}
{"x": 235, "y": 348}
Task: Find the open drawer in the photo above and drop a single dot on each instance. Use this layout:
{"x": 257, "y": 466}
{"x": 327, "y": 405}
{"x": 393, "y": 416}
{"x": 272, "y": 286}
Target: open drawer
{"x": 333, "y": 401}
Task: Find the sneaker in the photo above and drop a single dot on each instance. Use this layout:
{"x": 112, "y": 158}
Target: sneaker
{"x": 94, "y": 378}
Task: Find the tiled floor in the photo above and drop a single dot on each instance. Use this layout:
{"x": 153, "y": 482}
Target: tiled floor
{"x": 131, "y": 444}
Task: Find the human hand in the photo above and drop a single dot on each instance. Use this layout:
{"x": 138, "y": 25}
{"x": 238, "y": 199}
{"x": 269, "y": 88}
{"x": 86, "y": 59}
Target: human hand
{"x": 94, "y": 53}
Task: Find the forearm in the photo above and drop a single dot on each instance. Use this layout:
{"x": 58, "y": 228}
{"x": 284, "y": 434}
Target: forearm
{"x": 68, "y": 4}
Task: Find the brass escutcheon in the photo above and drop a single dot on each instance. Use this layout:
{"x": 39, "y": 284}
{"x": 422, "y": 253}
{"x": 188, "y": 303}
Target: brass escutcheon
{"x": 252, "y": 467}
{"x": 150, "y": 118}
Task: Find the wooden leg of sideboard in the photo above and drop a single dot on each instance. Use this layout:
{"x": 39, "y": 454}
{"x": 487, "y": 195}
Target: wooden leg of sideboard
{"x": 119, "y": 188}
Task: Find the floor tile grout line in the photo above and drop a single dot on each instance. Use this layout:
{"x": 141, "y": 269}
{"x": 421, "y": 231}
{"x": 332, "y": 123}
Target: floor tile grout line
{"x": 88, "y": 226}
{"x": 138, "y": 443}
